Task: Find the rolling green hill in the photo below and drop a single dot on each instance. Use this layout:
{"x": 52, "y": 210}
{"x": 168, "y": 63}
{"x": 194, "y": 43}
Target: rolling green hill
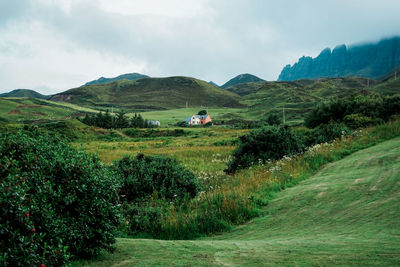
{"x": 243, "y": 89}
{"x": 242, "y": 78}
{"x": 25, "y": 93}
{"x": 26, "y": 110}
{"x": 151, "y": 94}
{"x": 128, "y": 76}
{"x": 345, "y": 215}
{"x": 298, "y": 97}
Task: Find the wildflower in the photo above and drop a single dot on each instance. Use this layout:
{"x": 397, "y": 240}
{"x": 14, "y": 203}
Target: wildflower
{"x": 26, "y": 214}
{"x": 33, "y": 230}
{"x": 42, "y": 265}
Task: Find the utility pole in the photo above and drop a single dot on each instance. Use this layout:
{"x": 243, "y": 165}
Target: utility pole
{"x": 186, "y": 104}
{"x": 112, "y": 109}
{"x": 368, "y": 83}
{"x": 283, "y": 111}
{"x": 395, "y": 75}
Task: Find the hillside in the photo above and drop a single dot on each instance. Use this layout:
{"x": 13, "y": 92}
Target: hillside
{"x": 25, "y": 93}
{"x": 151, "y": 94}
{"x": 242, "y": 78}
{"x": 128, "y": 76}
{"x": 367, "y": 60}
{"x": 30, "y": 110}
{"x": 243, "y": 89}
{"x": 347, "y": 214}
{"x": 299, "y": 96}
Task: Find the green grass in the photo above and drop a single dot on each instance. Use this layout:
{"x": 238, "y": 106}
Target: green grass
{"x": 173, "y": 116}
{"x": 346, "y": 214}
{"x": 16, "y": 109}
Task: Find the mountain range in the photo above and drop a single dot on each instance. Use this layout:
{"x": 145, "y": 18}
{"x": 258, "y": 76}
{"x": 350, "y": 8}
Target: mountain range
{"x": 367, "y": 60}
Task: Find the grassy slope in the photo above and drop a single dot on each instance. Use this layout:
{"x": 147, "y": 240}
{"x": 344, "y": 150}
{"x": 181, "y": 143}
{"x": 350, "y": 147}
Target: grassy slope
{"x": 347, "y": 214}
{"x": 300, "y": 96}
{"x": 151, "y": 94}
{"x": 16, "y": 109}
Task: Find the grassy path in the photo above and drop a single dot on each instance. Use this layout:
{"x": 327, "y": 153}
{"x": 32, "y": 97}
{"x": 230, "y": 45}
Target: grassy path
{"x": 347, "y": 214}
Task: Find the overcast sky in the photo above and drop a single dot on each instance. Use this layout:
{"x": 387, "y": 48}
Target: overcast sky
{"x": 54, "y": 45}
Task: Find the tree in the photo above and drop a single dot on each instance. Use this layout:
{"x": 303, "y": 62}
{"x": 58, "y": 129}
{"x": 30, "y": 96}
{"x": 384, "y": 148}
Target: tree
{"x": 273, "y": 119}
{"x": 202, "y": 112}
{"x": 121, "y": 121}
{"x": 108, "y": 121}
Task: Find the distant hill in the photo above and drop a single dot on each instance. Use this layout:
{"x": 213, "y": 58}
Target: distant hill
{"x": 243, "y": 89}
{"x": 368, "y": 60}
{"x": 25, "y": 93}
{"x": 242, "y": 78}
{"x": 213, "y": 84}
{"x": 151, "y": 94}
{"x": 128, "y": 76}
{"x": 298, "y": 97}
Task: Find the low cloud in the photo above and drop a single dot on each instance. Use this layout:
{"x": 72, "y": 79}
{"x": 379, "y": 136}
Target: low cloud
{"x": 63, "y": 44}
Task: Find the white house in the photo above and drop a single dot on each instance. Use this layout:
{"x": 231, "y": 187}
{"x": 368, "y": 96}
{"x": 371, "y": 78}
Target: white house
{"x": 155, "y": 123}
{"x": 195, "y": 120}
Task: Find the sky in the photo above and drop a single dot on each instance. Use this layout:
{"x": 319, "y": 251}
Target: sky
{"x": 54, "y": 45}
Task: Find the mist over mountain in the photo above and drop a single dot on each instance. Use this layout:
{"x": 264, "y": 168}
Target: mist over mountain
{"x": 367, "y": 60}
{"x": 128, "y": 76}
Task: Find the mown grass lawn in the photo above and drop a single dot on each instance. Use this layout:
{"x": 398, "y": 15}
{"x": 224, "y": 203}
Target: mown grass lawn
{"x": 346, "y": 214}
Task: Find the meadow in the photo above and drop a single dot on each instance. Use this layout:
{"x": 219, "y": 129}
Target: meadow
{"x": 202, "y": 150}
{"x": 344, "y": 214}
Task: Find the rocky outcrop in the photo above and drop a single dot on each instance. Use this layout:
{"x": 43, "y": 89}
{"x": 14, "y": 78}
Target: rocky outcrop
{"x": 370, "y": 60}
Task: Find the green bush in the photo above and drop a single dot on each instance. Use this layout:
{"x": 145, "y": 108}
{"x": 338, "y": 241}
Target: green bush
{"x": 57, "y": 203}
{"x": 149, "y": 185}
{"x": 143, "y": 176}
{"x": 264, "y": 144}
{"x": 357, "y": 120}
{"x": 355, "y": 112}
{"x": 325, "y": 133}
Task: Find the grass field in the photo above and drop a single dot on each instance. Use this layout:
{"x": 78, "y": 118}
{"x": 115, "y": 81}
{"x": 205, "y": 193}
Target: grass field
{"x": 200, "y": 150}
{"x": 171, "y": 117}
{"x": 346, "y": 214}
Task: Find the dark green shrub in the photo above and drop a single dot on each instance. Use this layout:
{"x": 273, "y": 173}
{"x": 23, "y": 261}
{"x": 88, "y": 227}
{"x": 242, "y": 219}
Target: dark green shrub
{"x": 355, "y": 112}
{"x": 357, "y": 120}
{"x": 56, "y": 203}
{"x": 264, "y": 144}
{"x": 325, "y": 133}
{"x": 273, "y": 119}
{"x": 143, "y": 176}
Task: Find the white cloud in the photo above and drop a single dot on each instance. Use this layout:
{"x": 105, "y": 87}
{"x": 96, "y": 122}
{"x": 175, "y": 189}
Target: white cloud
{"x": 63, "y": 44}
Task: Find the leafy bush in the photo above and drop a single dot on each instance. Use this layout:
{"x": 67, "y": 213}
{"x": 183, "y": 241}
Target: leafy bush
{"x": 143, "y": 176}
{"x": 325, "y": 133}
{"x": 56, "y": 202}
{"x": 263, "y": 144}
{"x": 358, "y": 121}
{"x": 273, "y": 119}
{"x": 359, "y": 111}
{"x": 149, "y": 185}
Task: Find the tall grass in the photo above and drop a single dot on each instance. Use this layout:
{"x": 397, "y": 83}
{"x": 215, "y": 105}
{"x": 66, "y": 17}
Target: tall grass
{"x": 232, "y": 200}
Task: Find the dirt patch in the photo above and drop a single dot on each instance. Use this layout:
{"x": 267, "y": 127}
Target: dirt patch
{"x": 30, "y": 106}
{"x": 63, "y": 98}
{"x": 15, "y": 111}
